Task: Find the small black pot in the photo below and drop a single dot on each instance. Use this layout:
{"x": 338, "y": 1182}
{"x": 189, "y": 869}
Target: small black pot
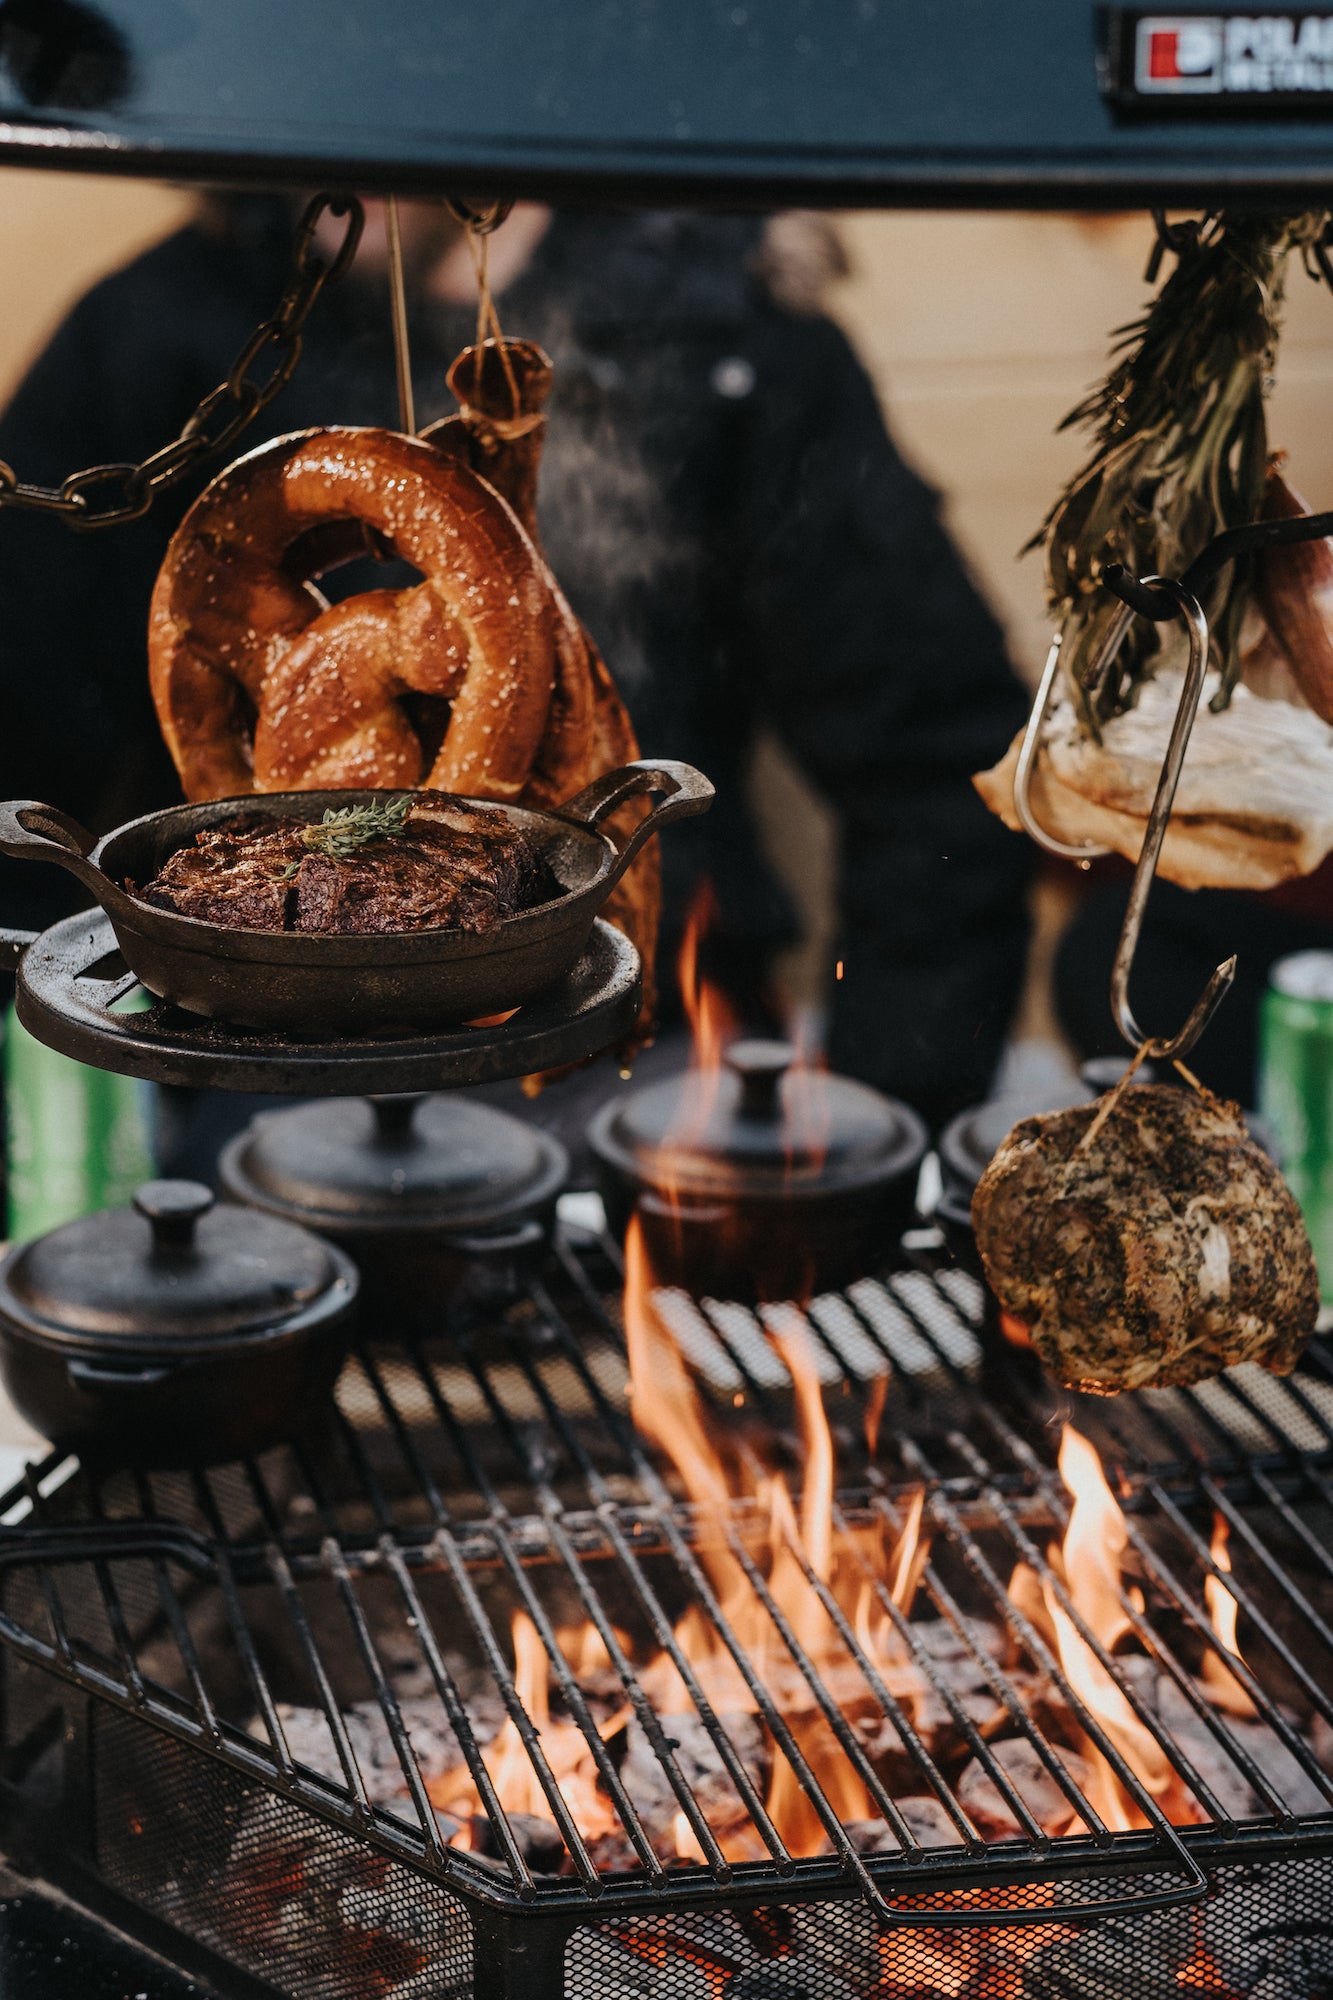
{"x": 789, "y": 1183}
{"x": 414, "y": 1187}
{"x": 180, "y": 1334}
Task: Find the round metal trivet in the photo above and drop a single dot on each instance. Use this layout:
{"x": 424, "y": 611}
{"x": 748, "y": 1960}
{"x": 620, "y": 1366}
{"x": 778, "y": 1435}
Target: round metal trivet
{"x": 72, "y": 983}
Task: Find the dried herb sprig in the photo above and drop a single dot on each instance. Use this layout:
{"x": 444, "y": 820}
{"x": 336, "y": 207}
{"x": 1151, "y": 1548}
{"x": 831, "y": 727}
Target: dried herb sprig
{"x": 1181, "y": 447}
{"x": 345, "y": 829}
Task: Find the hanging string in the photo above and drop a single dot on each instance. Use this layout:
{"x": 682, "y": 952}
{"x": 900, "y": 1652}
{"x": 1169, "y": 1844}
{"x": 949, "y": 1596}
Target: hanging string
{"x": 488, "y": 319}
{"x": 402, "y": 353}
{"x": 1112, "y": 1098}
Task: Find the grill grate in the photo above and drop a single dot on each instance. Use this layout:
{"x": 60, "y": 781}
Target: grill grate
{"x": 321, "y": 1620}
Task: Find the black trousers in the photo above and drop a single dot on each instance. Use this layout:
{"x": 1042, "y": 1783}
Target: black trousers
{"x": 1186, "y": 933}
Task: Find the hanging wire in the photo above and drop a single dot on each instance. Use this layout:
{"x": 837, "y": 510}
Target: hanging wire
{"x": 402, "y": 352}
{"x": 488, "y": 319}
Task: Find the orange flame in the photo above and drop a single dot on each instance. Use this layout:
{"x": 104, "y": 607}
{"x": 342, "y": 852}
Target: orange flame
{"x": 1094, "y": 1543}
{"x": 711, "y": 1020}
{"x": 1221, "y": 1683}
{"x": 510, "y": 1767}
{"x": 801, "y": 1556}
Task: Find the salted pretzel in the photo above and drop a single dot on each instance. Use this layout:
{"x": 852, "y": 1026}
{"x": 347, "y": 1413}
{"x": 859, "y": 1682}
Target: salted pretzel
{"x": 261, "y": 686}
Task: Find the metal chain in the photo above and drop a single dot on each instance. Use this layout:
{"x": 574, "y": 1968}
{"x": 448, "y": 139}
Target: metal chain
{"x": 215, "y": 424}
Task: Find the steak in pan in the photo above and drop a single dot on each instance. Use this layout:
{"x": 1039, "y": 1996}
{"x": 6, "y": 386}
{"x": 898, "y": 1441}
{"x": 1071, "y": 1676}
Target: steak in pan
{"x": 431, "y": 862}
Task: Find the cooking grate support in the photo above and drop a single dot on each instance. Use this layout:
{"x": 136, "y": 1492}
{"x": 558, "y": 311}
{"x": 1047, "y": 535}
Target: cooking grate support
{"x": 505, "y": 1451}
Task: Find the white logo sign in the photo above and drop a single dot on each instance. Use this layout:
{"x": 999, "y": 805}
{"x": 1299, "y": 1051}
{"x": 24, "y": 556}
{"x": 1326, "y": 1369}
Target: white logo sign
{"x": 1187, "y": 55}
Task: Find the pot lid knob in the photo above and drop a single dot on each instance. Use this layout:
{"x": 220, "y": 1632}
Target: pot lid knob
{"x": 761, "y": 1067}
{"x": 172, "y": 1209}
{"x": 394, "y": 1116}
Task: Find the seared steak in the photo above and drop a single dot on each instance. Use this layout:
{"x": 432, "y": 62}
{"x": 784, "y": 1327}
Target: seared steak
{"x": 1165, "y": 1249}
{"x": 449, "y": 867}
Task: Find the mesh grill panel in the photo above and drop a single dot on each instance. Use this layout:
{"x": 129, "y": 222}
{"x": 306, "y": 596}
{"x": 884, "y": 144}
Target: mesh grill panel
{"x": 1265, "y": 1932}
{"x": 263, "y": 1883}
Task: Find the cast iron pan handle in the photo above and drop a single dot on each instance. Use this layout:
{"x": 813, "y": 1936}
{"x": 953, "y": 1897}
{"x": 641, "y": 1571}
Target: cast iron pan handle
{"x": 30, "y": 831}
{"x": 687, "y": 793}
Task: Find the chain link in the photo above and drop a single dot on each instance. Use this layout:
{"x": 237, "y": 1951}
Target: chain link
{"x": 224, "y": 413}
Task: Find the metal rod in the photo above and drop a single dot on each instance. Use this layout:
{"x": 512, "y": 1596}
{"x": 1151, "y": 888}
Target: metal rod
{"x": 1167, "y": 1049}
{"x": 1154, "y": 603}
{"x": 1084, "y": 852}
{"x": 402, "y": 352}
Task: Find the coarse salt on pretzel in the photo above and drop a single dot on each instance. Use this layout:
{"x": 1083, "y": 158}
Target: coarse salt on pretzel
{"x": 261, "y": 686}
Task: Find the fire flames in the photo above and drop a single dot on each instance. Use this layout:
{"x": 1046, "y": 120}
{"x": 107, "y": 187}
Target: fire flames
{"x": 795, "y": 1592}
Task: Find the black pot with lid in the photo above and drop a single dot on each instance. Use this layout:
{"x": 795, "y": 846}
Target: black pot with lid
{"x": 414, "y": 1187}
{"x": 771, "y": 1180}
{"x": 175, "y": 1332}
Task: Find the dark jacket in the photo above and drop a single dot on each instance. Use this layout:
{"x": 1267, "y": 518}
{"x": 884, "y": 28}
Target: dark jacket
{"x": 724, "y": 509}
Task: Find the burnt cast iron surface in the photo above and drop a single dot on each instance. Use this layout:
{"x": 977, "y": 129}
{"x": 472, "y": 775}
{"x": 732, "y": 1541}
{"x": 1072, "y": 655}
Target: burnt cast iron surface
{"x": 306, "y": 983}
{"x": 72, "y": 980}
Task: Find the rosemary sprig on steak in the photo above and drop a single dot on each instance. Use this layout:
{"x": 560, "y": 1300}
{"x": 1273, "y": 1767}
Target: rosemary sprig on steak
{"x": 344, "y": 830}
{"x": 1180, "y": 448}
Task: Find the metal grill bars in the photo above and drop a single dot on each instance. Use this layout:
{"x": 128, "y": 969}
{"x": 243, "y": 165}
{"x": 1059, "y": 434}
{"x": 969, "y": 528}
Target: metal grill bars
{"x": 505, "y": 1457}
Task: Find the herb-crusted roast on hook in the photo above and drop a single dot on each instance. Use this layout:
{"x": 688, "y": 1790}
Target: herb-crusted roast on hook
{"x": 1147, "y": 1244}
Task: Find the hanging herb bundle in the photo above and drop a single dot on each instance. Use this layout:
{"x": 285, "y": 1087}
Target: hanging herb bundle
{"x": 1181, "y": 448}
{"x": 1180, "y": 453}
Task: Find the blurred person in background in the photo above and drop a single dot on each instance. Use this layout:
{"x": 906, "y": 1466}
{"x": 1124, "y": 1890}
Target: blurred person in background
{"x": 725, "y": 510}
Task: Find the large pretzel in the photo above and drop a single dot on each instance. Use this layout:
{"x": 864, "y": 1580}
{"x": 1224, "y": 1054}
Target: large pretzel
{"x": 261, "y": 686}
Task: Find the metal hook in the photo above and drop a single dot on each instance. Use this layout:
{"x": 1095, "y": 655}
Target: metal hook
{"x": 1145, "y": 868}
{"x": 1083, "y": 852}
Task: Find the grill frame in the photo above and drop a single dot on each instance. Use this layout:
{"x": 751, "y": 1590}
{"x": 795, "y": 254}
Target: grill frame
{"x": 522, "y": 1919}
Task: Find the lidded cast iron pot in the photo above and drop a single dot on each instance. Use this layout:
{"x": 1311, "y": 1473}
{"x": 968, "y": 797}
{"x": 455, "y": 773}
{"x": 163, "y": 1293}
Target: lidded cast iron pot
{"x": 173, "y": 1333}
{"x": 413, "y": 1186}
{"x": 788, "y": 1183}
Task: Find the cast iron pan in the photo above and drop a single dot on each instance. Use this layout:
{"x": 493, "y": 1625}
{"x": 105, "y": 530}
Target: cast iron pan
{"x": 312, "y": 984}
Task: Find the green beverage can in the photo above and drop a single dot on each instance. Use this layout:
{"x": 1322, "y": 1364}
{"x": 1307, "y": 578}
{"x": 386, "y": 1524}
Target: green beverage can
{"x": 77, "y": 1139}
{"x": 1296, "y": 1090}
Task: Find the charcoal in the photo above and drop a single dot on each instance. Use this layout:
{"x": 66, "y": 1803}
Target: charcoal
{"x": 702, "y": 1768}
{"x": 990, "y": 1811}
{"x": 437, "y": 1750}
{"x": 1141, "y": 1955}
{"x": 788, "y": 1982}
{"x": 1214, "y": 1764}
{"x": 1262, "y": 1930}
{"x": 292, "y": 1895}
{"x": 537, "y": 1840}
{"x": 928, "y": 1822}
{"x": 612, "y": 1854}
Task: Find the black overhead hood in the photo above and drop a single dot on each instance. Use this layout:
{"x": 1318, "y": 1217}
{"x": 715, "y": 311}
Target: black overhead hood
{"x": 733, "y": 102}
